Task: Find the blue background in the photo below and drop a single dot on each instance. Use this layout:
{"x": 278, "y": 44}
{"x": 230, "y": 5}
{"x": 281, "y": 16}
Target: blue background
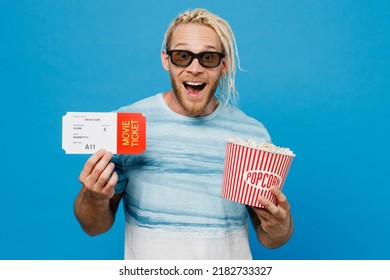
{"x": 317, "y": 75}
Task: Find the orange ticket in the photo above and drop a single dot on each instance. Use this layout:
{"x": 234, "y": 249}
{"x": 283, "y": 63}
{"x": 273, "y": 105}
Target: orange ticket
{"x": 120, "y": 133}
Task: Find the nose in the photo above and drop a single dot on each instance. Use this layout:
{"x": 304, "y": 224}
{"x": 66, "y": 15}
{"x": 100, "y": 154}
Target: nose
{"x": 195, "y": 67}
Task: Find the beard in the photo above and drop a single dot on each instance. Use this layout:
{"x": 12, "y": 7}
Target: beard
{"x": 194, "y": 108}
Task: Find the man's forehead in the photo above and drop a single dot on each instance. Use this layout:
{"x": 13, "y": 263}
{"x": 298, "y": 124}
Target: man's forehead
{"x": 195, "y": 35}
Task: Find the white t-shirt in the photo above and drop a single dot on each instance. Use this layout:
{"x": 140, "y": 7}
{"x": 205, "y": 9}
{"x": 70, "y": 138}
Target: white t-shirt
{"x": 172, "y": 191}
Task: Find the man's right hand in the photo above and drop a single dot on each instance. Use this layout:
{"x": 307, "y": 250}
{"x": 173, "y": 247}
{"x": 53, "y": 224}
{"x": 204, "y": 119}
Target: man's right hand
{"x": 98, "y": 176}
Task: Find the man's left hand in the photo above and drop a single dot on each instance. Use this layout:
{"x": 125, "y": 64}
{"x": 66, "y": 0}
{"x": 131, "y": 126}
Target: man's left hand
{"x": 275, "y": 220}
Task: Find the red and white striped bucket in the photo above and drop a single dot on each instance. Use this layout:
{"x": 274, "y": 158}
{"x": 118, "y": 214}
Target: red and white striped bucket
{"x": 249, "y": 173}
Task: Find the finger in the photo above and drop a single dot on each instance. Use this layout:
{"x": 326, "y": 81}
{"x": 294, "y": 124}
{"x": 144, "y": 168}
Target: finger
{"x": 272, "y": 208}
{"x": 90, "y": 164}
{"x": 100, "y": 167}
{"x": 263, "y": 214}
{"x": 105, "y": 176}
{"x": 109, "y": 189}
{"x": 113, "y": 180}
{"x": 281, "y": 198}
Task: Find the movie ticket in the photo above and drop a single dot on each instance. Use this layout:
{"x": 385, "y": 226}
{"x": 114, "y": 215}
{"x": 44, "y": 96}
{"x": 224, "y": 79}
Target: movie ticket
{"x": 120, "y": 133}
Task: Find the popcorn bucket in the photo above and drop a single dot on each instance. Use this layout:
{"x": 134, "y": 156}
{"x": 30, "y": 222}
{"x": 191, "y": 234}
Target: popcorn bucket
{"x": 251, "y": 172}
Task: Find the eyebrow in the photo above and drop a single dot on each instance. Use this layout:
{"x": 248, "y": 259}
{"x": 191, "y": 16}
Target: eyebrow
{"x": 207, "y": 47}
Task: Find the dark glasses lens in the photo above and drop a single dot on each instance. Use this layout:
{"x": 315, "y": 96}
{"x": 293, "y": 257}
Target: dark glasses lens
{"x": 185, "y": 58}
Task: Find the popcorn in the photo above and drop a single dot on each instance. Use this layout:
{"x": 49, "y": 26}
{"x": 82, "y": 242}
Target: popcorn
{"x": 269, "y": 147}
{"x": 251, "y": 169}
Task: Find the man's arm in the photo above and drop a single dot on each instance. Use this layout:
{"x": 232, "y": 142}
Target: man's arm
{"x": 273, "y": 224}
{"x": 96, "y": 204}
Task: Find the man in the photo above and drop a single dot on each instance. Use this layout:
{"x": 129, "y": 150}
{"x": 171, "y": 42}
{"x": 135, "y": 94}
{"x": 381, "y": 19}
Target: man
{"x": 171, "y": 192}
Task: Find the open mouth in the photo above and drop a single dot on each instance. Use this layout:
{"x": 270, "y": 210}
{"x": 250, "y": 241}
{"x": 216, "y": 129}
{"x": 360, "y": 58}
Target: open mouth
{"x": 194, "y": 88}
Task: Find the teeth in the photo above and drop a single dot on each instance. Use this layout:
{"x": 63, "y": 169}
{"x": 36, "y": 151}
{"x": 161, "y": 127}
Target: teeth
{"x": 194, "y": 84}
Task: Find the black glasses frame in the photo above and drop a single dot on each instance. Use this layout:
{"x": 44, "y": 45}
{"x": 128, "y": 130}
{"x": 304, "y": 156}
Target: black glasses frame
{"x": 196, "y": 55}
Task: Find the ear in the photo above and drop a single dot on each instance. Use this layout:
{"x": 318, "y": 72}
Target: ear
{"x": 165, "y": 60}
{"x": 224, "y": 66}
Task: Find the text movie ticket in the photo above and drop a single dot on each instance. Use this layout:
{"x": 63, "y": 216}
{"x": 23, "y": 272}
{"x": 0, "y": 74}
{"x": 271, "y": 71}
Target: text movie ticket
{"x": 120, "y": 133}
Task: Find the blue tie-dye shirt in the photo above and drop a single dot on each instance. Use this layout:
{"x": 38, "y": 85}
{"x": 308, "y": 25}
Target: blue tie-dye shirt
{"x": 172, "y": 200}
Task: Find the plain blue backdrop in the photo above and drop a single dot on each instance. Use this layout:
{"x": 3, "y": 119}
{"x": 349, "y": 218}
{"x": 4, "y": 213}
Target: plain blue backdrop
{"x": 317, "y": 76}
